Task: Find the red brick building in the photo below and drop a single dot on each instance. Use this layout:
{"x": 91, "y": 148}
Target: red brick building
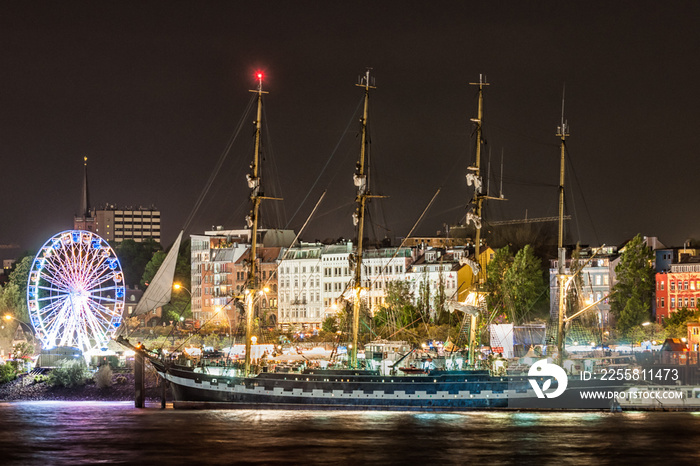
{"x": 266, "y": 307}
{"x": 678, "y": 288}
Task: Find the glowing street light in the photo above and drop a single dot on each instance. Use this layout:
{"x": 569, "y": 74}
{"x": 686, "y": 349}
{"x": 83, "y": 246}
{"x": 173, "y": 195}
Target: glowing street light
{"x": 24, "y": 325}
{"x": 220, "y": 310}
{"x": 178, "y": 287}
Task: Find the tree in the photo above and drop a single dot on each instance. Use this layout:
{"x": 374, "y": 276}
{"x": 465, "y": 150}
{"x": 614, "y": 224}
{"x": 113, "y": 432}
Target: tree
{"x": 495, "y": 275}
{"x": 630, "y": 302}
{"x": 134, "y": 257}
{"x": 180, "y": 301}
{"x": 398, "y": 310}
{"x": 152, "y": 268}
{"x": 330, "y": 324}
{"x": 423, "y": 302}
{"x": 523, "y": 285}
{"x": 676, "y": 324}
{"x": 13, "y": 296}
{"x": 441, "y": 314}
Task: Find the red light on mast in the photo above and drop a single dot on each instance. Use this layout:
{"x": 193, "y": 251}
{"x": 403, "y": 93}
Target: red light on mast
{"x": 259, "y": 75}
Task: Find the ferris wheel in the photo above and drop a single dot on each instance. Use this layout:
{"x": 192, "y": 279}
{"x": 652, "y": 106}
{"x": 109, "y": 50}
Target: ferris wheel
{"x": 75, "y": 292}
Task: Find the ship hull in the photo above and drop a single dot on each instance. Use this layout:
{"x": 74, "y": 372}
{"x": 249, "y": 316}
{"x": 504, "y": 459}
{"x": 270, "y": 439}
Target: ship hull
{"x": 348, "y": 390}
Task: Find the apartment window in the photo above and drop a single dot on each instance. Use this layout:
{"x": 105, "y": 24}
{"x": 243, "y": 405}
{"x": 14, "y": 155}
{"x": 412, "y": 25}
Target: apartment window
{"x": 673, "y": 303}
{"x": 692, "y": 302}
{"x": 662, "y": 302}
{"x": 673, "y": 285}
{"x": 662, "y": 285}
{"x": 685, "y": 285}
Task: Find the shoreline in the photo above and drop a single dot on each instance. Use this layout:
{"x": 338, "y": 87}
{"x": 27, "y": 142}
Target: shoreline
{"x": 24, "y": 388}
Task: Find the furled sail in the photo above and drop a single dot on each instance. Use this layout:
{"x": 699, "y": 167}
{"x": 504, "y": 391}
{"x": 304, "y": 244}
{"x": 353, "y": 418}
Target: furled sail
{"x": 473, "y": 305}
{"x": 161, "y": 287}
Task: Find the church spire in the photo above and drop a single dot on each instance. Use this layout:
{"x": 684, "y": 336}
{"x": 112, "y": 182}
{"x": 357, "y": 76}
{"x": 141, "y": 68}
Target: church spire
{"x": 84, "y": 219}
{"x": 85, "y": 201}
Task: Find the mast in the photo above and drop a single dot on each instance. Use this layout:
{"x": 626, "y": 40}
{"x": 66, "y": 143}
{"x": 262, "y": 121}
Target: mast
{"x": 360, "y": 180}
{"x": 562, "y": 278}
{"x": 256, "y": 198}
{"x": 478, "y": 197}
{"x": 477, "y": 202}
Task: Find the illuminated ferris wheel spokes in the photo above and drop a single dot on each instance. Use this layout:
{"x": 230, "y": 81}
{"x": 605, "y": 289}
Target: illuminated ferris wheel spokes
{"x": 76, "y": 291}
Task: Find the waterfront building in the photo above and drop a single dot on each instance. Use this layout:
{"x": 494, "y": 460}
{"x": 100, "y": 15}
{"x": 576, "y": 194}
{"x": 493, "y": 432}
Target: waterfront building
{"x": 678, "y": 287}
{"x": 466, "y": 276}
{"x": 382, "y": 266}
{"x": 437, "y": 270}
{"x": 299, "y": 287}
{"x": 217, "y": 270}
{"x": 315, "y": 280}
{"x": 117, "y": 224}
{"x": 693, "y": 336}
{"x": 597, "y": 280}
{"x": 337, "y": 276}
{"x": 454, "y": 236}
{"x": 236, "y": 284}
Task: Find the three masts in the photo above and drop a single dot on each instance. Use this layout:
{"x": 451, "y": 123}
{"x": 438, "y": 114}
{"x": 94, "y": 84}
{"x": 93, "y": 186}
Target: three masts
{"x": 363, "y": 194}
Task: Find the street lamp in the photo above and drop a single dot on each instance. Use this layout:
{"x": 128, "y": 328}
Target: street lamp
{"x": 219, "y": 309}
{"x": 24, "y": 325}
{"x": 178, "y": 287}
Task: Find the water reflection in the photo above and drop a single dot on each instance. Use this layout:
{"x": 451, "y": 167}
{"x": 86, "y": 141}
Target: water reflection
{"x": 86, "y": 433}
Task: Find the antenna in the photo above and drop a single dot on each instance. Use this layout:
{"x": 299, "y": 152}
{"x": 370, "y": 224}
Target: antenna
{"x": 563, "y": 129}
{"x": 488, "y": 173}
{"x": 366, "y": 81}
{"x": 500, "y": 193}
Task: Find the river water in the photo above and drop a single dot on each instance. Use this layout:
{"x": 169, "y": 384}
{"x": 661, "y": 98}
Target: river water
{"x": 103, "y": 432}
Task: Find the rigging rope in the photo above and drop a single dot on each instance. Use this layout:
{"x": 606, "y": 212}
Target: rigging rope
{"x": 583, "y": 198}
{"x": 335, "y": 150}
{"x": 219, "y": 163}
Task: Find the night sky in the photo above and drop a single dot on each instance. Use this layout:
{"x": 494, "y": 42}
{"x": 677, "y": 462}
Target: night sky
{"x": 152, "y": 92}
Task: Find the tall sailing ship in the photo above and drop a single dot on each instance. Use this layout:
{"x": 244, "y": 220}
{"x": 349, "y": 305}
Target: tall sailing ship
{"x": 355, "y": 388}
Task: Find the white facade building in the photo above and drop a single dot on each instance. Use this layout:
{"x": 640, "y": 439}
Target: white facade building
{"x": 598, "y": 278}
{"x": 299, "y": 287}
{"x": 315, "y": 280}
{"x": 435, "y": 266}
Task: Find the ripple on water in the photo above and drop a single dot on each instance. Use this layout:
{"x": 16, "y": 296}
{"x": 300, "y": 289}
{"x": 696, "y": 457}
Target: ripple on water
{"x": 90, "y": 432}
